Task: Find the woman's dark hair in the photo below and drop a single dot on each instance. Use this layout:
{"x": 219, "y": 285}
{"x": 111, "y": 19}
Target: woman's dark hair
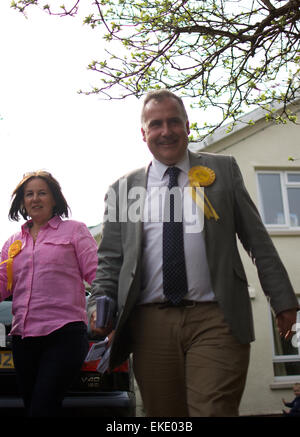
{"x": 17, "y": 205}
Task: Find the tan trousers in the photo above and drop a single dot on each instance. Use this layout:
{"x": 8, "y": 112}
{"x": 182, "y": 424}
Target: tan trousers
{"x": 186, "y": 362}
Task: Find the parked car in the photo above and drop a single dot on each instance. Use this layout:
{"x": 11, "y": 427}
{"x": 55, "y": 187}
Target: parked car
{"x": 92, "y": 394}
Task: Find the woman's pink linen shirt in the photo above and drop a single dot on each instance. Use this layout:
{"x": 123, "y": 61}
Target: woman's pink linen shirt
{"x": 48, "y": 289}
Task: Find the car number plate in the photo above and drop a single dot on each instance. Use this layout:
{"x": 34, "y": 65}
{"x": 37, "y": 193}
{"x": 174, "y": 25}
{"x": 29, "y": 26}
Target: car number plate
{"x": 6, "y": 360}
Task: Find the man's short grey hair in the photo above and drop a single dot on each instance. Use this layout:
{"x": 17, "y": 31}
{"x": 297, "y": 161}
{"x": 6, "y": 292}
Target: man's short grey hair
{"x": 160, "y": 95}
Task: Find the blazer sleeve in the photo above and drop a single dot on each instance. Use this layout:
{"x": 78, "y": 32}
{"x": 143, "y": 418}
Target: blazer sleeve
{"x": 110, "y": 256}
{"x": 257, "y": 242}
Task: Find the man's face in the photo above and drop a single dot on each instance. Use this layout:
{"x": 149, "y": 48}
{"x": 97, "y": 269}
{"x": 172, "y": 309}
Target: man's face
{"x": 165, "y": 130}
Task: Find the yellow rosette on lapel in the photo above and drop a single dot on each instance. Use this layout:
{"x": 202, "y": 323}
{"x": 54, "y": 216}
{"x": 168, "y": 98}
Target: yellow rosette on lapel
{"x": 13, "y": 251}
{"x": 201, "y": 176}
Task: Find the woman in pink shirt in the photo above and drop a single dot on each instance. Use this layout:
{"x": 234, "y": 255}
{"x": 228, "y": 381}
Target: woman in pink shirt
{"x": 48, "y": 261}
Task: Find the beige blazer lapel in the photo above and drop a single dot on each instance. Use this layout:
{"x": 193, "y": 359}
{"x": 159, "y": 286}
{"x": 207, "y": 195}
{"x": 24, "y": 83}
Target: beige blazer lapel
{"x": 137, "y": 184}
{"x": 195, "y": 159}
{"x": 209, "y": 224}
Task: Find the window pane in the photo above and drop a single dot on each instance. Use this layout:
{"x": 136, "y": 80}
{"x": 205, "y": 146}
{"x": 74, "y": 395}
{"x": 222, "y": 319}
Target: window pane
{"x": 287, "y": 369}
{"x": 294, "y": 177}
{"x": 270, "y": 189}
{"x": 294, "y": 205}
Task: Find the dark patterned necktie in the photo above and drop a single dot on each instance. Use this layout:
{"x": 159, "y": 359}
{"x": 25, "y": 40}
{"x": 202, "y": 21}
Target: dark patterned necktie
{"x": 174, "y": 271}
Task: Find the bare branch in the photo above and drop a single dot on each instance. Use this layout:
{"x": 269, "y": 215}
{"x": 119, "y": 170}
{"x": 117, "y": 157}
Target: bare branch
{"x": 230, "y": 55}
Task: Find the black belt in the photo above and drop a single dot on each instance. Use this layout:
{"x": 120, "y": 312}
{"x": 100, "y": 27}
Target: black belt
{"x": 182, "y": 303}
{"x": 168, "y": 304}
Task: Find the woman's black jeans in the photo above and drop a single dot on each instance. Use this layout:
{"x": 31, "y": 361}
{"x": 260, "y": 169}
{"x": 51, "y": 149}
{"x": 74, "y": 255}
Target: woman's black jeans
{"x": 46, "y": 367}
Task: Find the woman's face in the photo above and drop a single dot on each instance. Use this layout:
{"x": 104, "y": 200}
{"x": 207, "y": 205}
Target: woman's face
{"x": 38, "y": 200}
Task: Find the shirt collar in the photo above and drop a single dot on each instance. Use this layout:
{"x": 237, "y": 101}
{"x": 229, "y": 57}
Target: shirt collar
{"x": 53, "y": 223}
{"x": 161, "y": 168}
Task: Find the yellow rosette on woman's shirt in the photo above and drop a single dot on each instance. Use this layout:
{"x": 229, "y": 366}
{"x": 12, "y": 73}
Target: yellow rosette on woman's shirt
{"x": 201, "y": 176}
{"x": 13, "y": 250}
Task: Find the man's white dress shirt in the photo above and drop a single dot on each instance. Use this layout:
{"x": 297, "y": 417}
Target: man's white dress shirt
{"x": 199, "y": 285}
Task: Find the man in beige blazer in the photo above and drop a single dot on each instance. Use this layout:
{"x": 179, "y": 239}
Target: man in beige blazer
{"x": 190, "y": 359}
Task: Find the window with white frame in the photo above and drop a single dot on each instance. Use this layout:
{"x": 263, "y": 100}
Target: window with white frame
{"x": 279, "y": 198}
{"x": 286, "y": 355}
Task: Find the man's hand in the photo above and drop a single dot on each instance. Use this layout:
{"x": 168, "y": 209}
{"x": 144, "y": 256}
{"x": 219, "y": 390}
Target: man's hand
{"x": 285, "y": 321}
{"x": 103, "y": 332}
